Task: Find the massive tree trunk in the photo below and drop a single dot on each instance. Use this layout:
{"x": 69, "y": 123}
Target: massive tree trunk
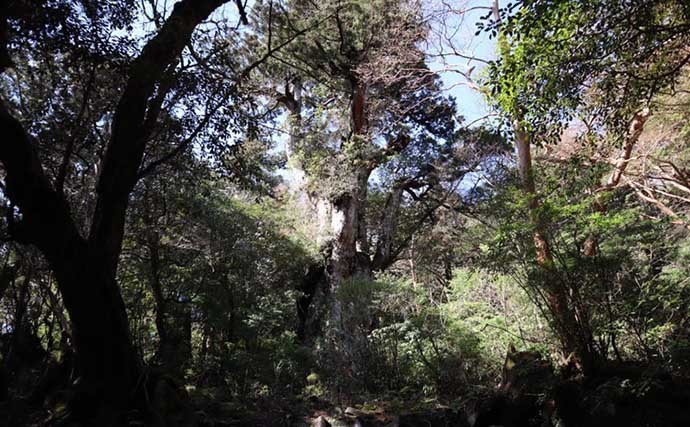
{"x": 86, "y": 279}
{"x": 348, "y": 264}
{"x": 341, "y": 227}
{"x": 348, "y": 223}
{"x": 342, "y": 263}
{"x": 345, "y": 269}
{"x": 384, "y": 256}
{"x": 107, "y": 363}
{"x": 311, "y": 304}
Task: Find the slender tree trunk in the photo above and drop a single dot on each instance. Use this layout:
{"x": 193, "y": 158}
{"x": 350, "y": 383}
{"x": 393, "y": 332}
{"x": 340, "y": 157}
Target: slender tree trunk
{"x": 21, "y": 350}
{"x": 172, "y": 323}
{"x": 591, "y": 244}
{"x": 541, "y": 245}
{"x": 58, "y": 312}
{"x": 573, "y": 334}
{"x": 574, "y": 338}
{"x": 158, "y": 296}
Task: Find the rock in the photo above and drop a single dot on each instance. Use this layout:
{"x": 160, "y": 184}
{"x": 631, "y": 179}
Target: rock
{"x": 504, "y": 410}
{"x": 170, "y": 403}
{"x": 440, "y": 418}
{"x": 520, "y": 400}
{"x": 320, "y": 422}
{"x": 352, "y": 412}
{"x": 525, "y": 372}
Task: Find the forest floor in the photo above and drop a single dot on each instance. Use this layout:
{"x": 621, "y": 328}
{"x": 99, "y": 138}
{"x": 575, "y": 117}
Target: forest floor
{"x": 533, "y": 397}
{"x": 529, "y": 395}
{"x": 316, "y": 412}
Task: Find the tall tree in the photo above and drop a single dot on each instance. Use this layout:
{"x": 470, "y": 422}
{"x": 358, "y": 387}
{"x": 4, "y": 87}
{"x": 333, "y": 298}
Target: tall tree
{"x": 85, "y": 265}
{"x": 361, "y": 102}
{"x": 600, "y": 62}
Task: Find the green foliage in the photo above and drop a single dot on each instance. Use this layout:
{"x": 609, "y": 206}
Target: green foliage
{"x": 597, "y": 60}
{"x": 497, "y": 312}
{"x": 237, "y": 273}
{"x": 415, "y": 346}
{"x": 622, "y": 292}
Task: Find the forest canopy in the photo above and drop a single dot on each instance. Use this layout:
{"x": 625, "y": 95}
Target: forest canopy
{"x": 345, "y": 212}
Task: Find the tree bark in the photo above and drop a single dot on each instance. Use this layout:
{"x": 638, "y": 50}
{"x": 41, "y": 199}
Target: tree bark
{"x": 541, "y": 245}
{"x": 107, "y": 363}
{"x": 343, "y": 328}
{"x": 573, "y": 334}
{"x": 349, "y": 259}
{"x": 384, "y": 245}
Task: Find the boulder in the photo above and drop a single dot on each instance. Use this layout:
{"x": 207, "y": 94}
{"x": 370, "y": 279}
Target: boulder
{"x": 320, "y": 422}
{"x": 523, "y": 395}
